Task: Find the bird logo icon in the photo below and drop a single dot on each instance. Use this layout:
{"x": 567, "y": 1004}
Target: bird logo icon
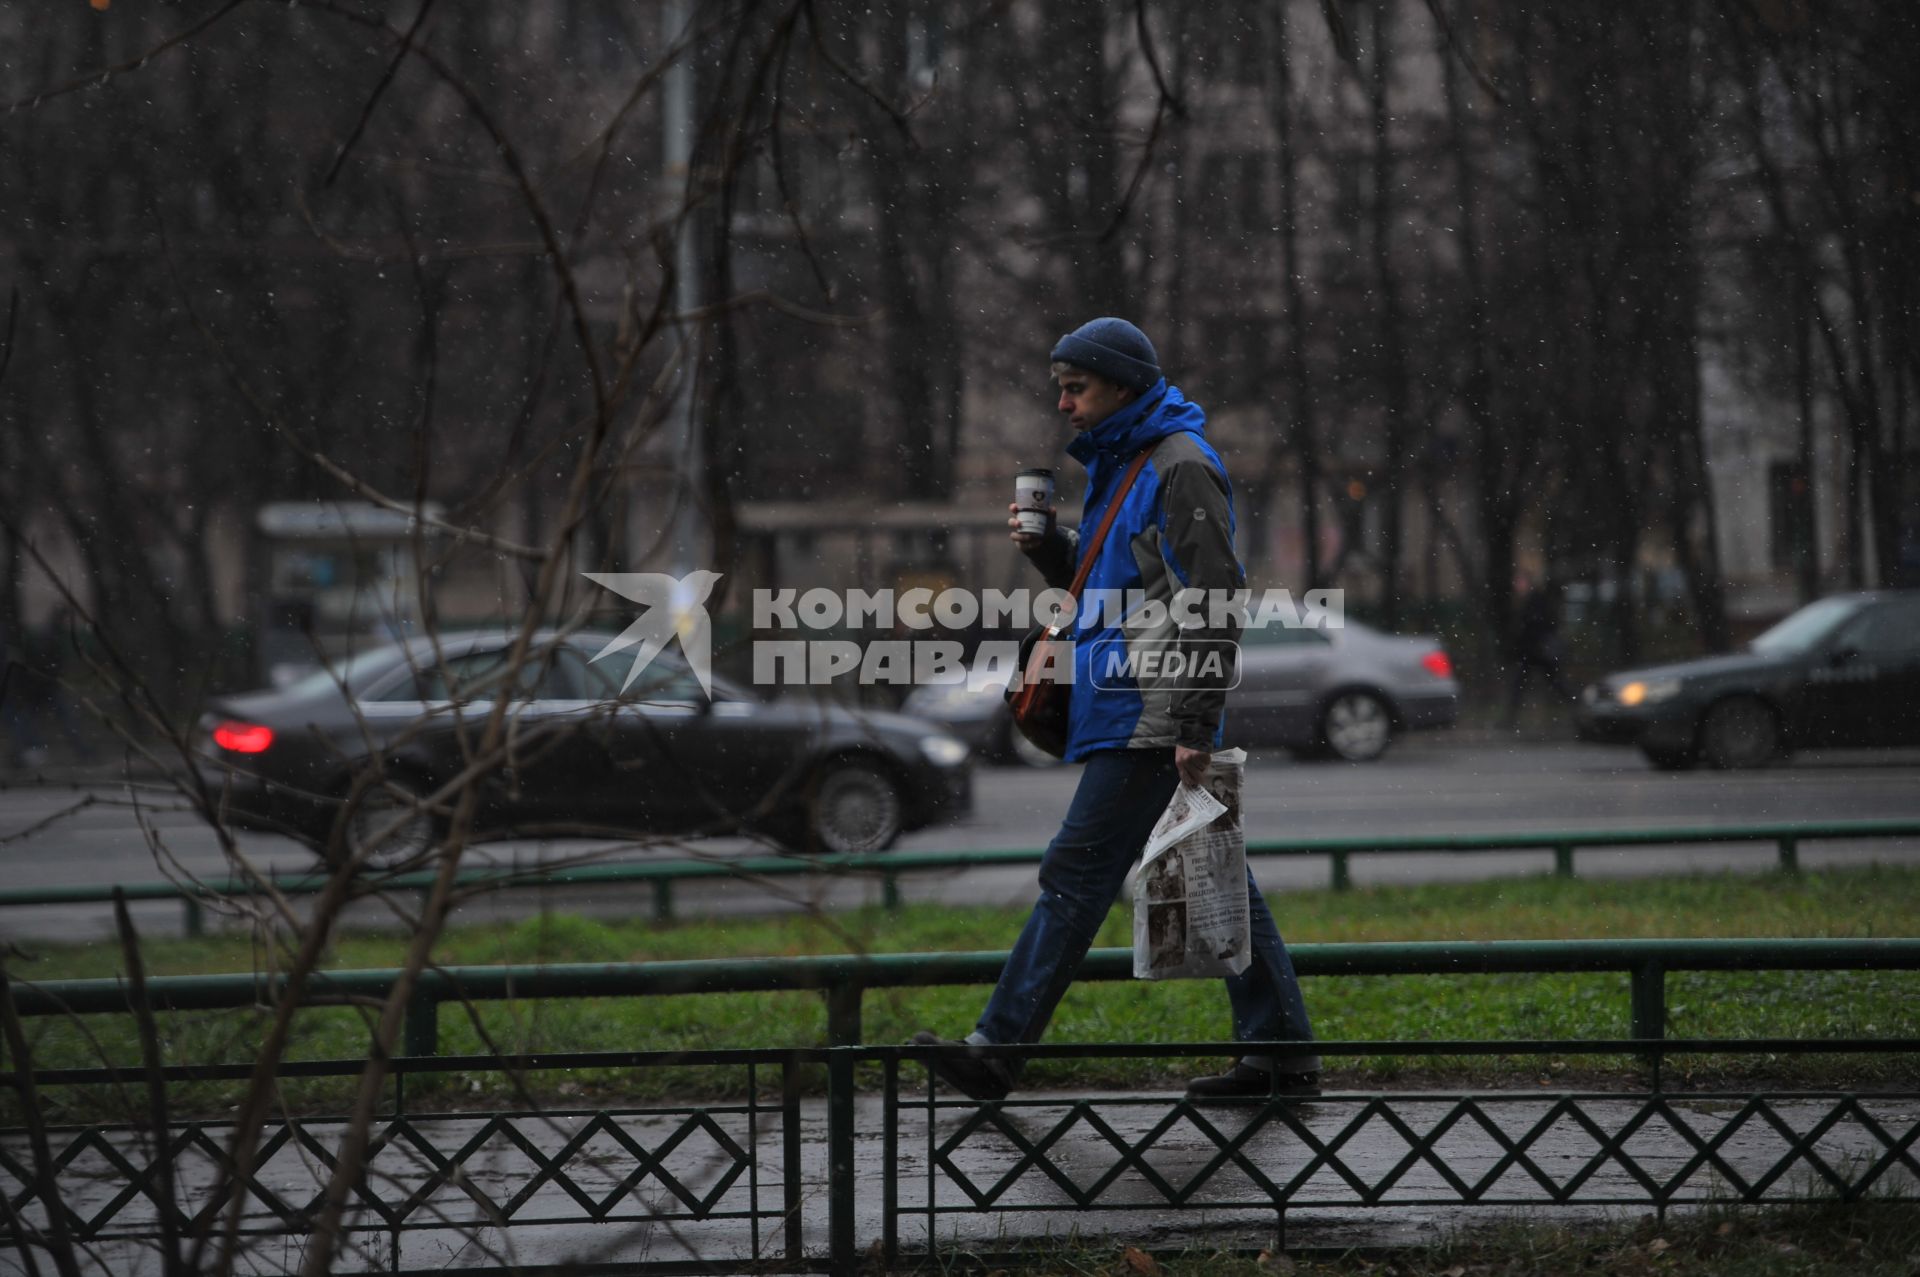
{"x": 675, "y": 608}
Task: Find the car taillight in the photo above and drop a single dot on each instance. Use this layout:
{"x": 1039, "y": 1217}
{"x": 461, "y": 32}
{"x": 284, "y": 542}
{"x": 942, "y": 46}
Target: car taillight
{"x": 243, "y": 738}
{"x": 1437, "y": 664}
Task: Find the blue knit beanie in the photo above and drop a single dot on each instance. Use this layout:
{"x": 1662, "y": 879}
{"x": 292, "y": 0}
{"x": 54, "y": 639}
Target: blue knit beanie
{"x": 1113, "y": 348}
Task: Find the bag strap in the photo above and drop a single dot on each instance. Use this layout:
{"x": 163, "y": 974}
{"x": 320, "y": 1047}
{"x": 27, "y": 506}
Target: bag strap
{"x": 1092, "y": 550}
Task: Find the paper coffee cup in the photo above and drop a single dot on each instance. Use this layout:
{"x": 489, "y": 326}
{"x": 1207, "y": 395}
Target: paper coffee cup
{"x": 1033, "y": 493}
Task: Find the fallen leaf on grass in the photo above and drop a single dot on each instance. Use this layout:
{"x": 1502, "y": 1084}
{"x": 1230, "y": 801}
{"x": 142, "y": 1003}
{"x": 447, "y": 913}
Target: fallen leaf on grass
{"x": 1141, "y": 1262}
{"x": 1659, "y": 1246}
{"x": 1458, "y": 1270}
{"x": 1274, "y": 1263}
{"x": 1725, "y": 1229}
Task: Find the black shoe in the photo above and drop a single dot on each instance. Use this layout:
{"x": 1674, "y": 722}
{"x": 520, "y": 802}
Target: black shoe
{"x": 973, "y": 1077}
{"x": 1244, "y": 1081}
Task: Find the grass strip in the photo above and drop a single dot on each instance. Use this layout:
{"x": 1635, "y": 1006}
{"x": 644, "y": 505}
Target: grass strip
{"x": 1875, "y": 901}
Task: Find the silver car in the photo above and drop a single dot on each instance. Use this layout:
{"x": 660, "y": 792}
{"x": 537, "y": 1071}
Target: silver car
{"x": 1319, "y": 690}
{"x": 1343, "y": 691}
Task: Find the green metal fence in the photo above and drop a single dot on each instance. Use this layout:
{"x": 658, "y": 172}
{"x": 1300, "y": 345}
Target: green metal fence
{"x": 769, "y": 1180}
{"x": 844, "y": 979}
{"x": 661, "y": 876}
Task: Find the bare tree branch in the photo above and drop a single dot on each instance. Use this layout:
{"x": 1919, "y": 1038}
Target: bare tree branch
{"x": 858, "y": 81}
{"x": 33, "y": 100}
{"x": 1167, "y": 96}
{"x": 1437, "y": 10}
{"x": 46, "y": 1180}
{"x": 379, "y": 89}
{"x": 151, "y": 1062}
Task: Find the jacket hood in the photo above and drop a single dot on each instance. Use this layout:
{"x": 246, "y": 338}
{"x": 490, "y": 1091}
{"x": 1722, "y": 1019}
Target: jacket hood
{"x": 1160, "y": 412}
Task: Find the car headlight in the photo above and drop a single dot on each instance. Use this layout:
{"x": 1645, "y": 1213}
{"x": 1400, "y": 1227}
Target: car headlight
{"x": 944, "y": 751}
{"x": 1649, "y": 691}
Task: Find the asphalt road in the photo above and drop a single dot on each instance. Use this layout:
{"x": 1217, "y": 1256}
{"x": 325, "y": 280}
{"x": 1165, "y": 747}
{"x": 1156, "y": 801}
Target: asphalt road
{"x": 56, "y": 835}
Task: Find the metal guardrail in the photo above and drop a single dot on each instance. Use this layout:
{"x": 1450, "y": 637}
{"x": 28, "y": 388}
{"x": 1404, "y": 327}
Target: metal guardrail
{"x": 743, "y": 1184}
{"x": 844, "y": 979}
{"x": 890, "y": 867}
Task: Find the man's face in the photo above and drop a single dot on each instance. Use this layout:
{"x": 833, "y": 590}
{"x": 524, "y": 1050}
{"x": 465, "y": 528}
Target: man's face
{"x": 1089, "y": 399}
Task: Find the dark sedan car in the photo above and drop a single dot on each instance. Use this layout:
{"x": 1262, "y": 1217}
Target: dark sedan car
{"x": 1842, "y": 671}
{"x": 583, "y": 757}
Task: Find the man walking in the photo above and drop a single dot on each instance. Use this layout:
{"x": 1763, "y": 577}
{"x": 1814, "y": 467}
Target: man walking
{"x": 1137, "y": 738}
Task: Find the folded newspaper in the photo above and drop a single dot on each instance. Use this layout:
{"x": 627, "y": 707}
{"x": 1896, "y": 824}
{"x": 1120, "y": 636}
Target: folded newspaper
{"x": 1190, "y": 896}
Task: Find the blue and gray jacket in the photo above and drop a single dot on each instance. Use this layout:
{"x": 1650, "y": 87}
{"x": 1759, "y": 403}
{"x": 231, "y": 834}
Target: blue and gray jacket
{"x": 1175, "y": 531}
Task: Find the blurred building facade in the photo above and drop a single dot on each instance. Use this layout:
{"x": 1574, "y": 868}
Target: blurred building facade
{"x": 1498, "y": 292}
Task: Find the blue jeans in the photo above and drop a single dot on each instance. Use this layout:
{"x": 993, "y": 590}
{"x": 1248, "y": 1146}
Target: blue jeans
{"x": 1122, "y": 793}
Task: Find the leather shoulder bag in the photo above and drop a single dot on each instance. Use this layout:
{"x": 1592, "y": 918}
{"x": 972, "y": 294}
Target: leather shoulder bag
{"x": 1040, "y": 698}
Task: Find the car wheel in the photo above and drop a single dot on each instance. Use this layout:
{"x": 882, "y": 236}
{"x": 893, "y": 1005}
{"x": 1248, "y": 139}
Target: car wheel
{"x": 853, "y": 807}
{"x": 1740, "y": 731}
{"x": 1672, "y": 760}
{"x": 1356, "y": 727}
{"x": 397, "y": 803}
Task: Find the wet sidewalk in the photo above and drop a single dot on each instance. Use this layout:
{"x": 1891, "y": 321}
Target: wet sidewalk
{"x": 673, "y": 1184}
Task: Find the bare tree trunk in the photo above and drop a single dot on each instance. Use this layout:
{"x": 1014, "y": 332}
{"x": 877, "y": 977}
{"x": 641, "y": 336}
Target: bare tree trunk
{"x": 1392, "y": 338}
{"x": 1581, "y": 150}
{"x": 1809, "y": 564}
{"x": 915, "y": 442}
{"x": 1087, "y": 180}
{"x": 1826, "y": 93}
{"x": 1497, "y": 453}
{"x": 1856, "y": 506}
{"x": 1669, "y": 167}
{"x": 1305, "y": 436}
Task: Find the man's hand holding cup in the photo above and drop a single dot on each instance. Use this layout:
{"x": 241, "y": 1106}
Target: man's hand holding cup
{"x": 1032, "y": 508}
{"x": 1023, "y": 538}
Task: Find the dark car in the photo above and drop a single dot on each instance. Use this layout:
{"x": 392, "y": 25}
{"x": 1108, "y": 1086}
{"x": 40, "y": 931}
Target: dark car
{"x": 1841, "y": 671}
{"x": 976, "y": 711}
{"x": 1320, "y": 690}
{"x": 584, "y": 756}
